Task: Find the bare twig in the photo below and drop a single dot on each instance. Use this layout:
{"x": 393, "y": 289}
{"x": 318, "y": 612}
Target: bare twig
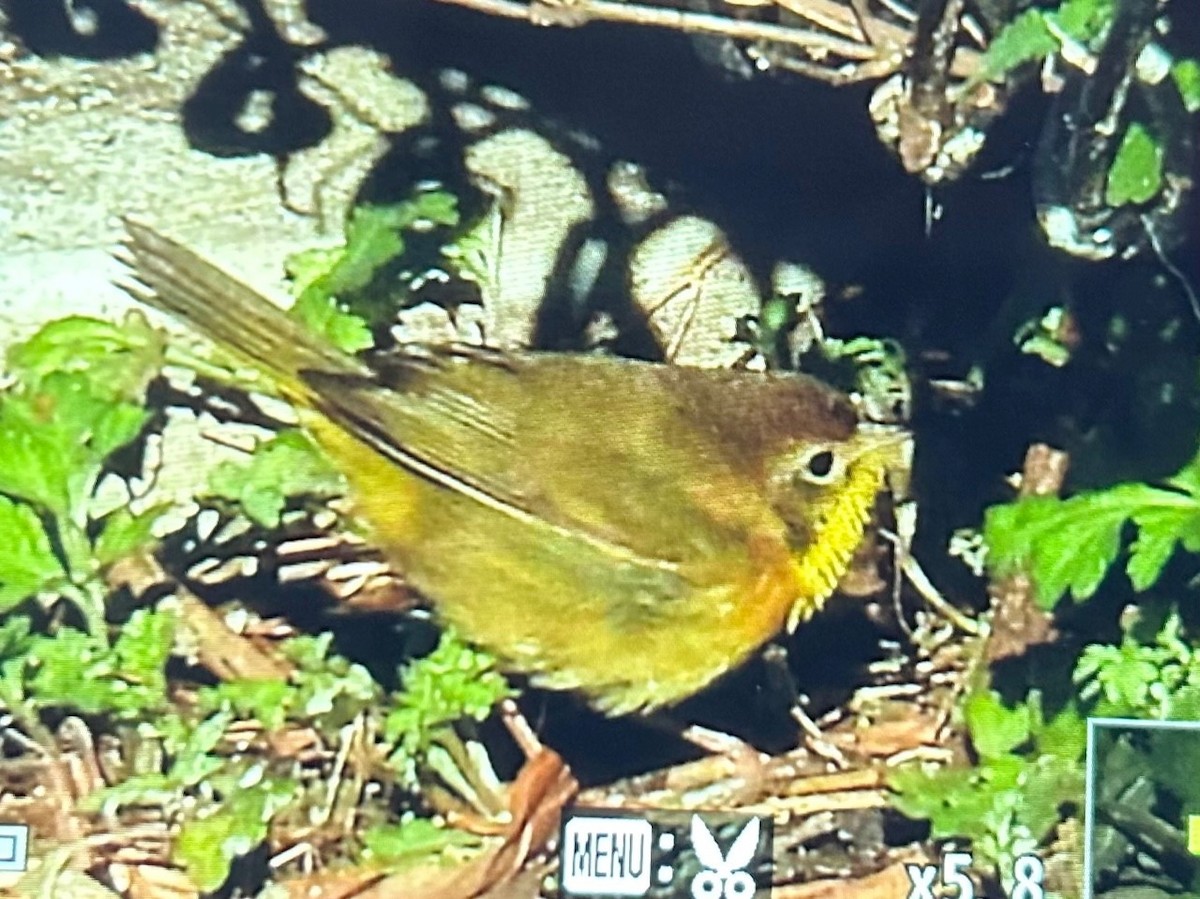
{"x": 838, "y": 30}
{"x": 1017, "y": 621}
{"x": 681, "y": 20}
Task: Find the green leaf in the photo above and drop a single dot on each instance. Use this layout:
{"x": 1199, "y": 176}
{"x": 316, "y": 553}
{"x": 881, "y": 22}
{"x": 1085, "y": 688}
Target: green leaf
{"x": 207, "y": 847}
{"x": 1046, "y": 783}
{"x": 1136, "y": 175}
{"x": 144, "y": 646}
{"x": 954, "y": 800}
{"x": 1025, "y": 39}
{"x": 308, "y": 651}
{"x": 267, "y": 701}
{"x": 1084, "y": 20}
{"x": 116, "y": 426}
{"x": 1069, "y": 545}
{"x": 325, "y": 691}
{"x": 287, "y": 465}
{"x": 429, "y": 209}
{"x": 27, "y": 564}
{"x": 416, "y": 838}
{"x": 78, "y": 671}
{"x": 1186, "y": 73}
{"x": 327, "y": 280}
{"x": 35, "y": 466}
{"x": 124, "y": 533}
{"x": 453, "y": 682}
{"x": 56, "y": 438}
{"x": 308, "y": 266}
{"x": 1066, "y": 544}
{"x": 323, "y": 315}
{"x": 1064, "y": 735}
{"x": 73, "y": 670}
{"x": 15, "y": 640}
{"x": 337, "y": 695}
{"x": 372, "y": 240}
{"x": 995, "y": 729}
{"x": 119, "y": 360}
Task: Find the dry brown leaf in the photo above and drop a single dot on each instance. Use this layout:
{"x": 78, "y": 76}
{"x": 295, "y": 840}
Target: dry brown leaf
{"x": 886, "y": 738}
{"x": 536, "y": 799}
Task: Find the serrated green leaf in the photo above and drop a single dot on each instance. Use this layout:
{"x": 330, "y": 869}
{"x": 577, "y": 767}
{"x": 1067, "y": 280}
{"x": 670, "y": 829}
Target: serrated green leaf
{"x": 416, "y": 838}
{"x": 27, "y": 564}
{"x": 1069, "y": 545}
{"x": 207, "y": 847}
{"x": 117, "y": 426}
{"x": 372, "y": 240}
{"x": 1151, "y": 549}
{"x": 995, "y": 729}
{"x": 1136, "y": 175}
{"x": 452, "y": 683}
{"x": 144, "y": 646}
{"x": 15, "y": 640}
{"x": 124, "y": 533}
{"x": 1084, "y": 20}
{"x": 119, "y": 360}
{"x": 336, "y": 695}
{"x": 78, "y": 671}
{"x": 307, "y": 266}
{"x": 1186, "y": 73}
{"x": 75, "y": 670}
{"x": 324, "y": 315}
{"x": 285, "y": 466}
{"x": 1127, "y": 676}
{"x": 35, "y": 466}
{"x": 434, "y": 208}
{"x": 57, "y": 437}
{"x": 326, "y": 281}
{"x": 1025, "y": 39}
{"x": 325, "y": 277}
{"x": 1065, "y": 544}
{"x": 267, "y": 701}
{"x": 953, "y": 800}
{"x": 1064, "y": 735}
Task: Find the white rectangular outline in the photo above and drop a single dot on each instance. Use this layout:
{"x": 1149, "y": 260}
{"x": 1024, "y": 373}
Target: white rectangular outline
{"x": 1089, "y": 790}
{"x": 19, "y": 833}
{"x": 589, "y": 885}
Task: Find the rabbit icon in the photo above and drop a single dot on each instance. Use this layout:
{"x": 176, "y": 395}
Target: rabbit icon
{"x": 724, "y": 876}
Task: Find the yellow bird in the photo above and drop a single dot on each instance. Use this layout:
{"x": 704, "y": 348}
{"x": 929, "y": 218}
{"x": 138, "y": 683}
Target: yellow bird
{"x": 626, "y": 529}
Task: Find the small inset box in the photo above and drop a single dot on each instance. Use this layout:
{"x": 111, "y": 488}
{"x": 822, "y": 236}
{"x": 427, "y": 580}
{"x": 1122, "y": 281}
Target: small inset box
{"x": 1142, "y": 809}
{"x": 14, "y": 847}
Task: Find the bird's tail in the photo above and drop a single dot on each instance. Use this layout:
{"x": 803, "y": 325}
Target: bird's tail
{"x": 170, "y": 277}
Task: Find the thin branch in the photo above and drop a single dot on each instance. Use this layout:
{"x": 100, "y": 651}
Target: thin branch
{"x": 827, "y": 14}
{"x": 677, "y": 20}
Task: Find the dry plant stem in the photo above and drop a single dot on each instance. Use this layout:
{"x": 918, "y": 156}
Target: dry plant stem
{"x": 881, "y": 53}
{"x": 679, "y": 20}
{"x": 815, "y": 740}
{"x": 1017, "y": 621}
{"x": 228, "y": 655}
{"x": 518, "y": 726}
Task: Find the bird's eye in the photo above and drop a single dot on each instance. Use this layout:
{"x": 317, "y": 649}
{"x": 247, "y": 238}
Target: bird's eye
{"x": 819, "y": 466}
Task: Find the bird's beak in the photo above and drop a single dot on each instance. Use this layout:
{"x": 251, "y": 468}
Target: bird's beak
{"x": 893, "y": 447}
